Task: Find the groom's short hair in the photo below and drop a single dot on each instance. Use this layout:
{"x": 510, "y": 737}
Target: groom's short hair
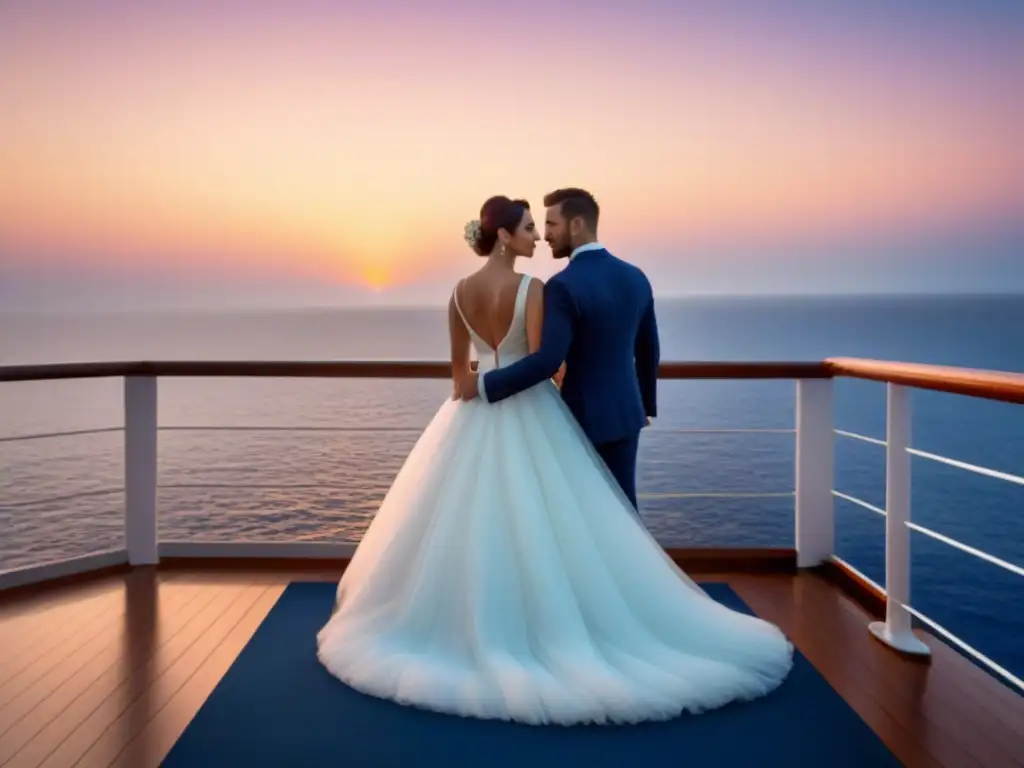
{"x": 575, "y": 202}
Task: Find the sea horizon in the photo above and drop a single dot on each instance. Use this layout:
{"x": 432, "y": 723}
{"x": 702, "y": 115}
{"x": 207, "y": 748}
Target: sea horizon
{"x": 210, "y": 309}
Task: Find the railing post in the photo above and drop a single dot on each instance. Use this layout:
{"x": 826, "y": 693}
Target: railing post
{"x": 140, "y": 462}
{"x": 896, "y": 631}
{"x": 815, "y": 461}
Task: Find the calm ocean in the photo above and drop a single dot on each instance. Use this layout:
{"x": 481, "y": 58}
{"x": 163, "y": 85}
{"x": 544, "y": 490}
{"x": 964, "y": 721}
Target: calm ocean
{"x": 60, "y": 495}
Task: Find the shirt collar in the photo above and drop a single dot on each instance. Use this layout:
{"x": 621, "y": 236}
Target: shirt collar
{"x": 585, "y": 248}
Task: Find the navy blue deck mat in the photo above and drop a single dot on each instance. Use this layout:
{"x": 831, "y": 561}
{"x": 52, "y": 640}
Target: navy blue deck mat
{"x": 277, "y": 706}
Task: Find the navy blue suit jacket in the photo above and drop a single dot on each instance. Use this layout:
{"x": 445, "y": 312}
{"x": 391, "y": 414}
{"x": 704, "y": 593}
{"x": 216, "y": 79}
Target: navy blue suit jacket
{"x": 598, "y": 318}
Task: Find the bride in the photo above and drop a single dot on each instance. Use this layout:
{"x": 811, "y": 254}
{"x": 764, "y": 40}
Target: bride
{"x": 506, "y": 575}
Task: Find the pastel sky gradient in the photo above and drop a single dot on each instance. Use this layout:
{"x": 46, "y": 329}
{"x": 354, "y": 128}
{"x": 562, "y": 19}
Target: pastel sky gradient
{"x": 330, "y": 152}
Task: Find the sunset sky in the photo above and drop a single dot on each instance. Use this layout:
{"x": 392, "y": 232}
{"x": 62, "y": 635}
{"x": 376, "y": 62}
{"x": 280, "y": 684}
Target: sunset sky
{"x": 317, "y": 152}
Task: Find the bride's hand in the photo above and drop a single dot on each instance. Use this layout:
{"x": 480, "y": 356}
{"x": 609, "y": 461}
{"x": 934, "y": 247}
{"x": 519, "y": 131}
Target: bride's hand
{"x": 469, "y": 387}
{"x": 559, "y": 375}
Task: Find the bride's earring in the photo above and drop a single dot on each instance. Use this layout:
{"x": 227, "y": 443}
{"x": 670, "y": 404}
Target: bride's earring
{"x": 504, "y": 250}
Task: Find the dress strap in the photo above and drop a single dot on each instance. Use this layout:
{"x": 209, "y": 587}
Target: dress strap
{"x": 521, "y": 294}
{"x": 458, "y": 307}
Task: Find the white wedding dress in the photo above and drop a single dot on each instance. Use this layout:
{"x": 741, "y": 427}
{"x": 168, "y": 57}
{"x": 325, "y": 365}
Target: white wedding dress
{"x": 506, "y": 576}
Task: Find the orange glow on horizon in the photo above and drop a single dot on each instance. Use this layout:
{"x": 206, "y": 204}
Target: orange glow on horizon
{"x": 330, "y": 146}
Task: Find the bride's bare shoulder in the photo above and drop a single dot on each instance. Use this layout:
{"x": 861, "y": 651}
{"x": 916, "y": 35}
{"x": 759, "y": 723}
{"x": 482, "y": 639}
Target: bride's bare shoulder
{"x": 535, "y": 292}
{"x": 536, "y": 284}
{"x": 471, "y": 279}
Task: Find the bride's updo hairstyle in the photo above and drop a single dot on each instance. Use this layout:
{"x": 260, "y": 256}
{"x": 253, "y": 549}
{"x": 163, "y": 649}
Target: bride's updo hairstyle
{"x": 499, "y": 212}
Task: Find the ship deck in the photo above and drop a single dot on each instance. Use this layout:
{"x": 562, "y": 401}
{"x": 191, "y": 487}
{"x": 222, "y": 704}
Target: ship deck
{"x": 108, "y": 669}
{"x": 190, "y": 653}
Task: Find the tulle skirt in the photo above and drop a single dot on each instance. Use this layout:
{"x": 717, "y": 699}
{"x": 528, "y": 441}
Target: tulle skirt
{"x": 506, "y": 576}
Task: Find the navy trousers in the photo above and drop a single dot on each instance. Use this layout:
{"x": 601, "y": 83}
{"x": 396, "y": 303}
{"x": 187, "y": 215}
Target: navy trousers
{"x": 620, "y": 456}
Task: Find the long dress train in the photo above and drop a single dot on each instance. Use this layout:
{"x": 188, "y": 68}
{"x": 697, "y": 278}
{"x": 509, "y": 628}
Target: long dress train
{"x": 506, "y": 576}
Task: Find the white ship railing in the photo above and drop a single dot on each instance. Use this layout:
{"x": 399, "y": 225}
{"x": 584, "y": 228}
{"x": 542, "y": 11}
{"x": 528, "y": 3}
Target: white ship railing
{"x": 897, "y": 628}
{"x": 813, "y": 494}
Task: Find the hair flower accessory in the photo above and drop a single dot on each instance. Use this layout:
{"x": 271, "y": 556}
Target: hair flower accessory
{"x": 472, "y": 233}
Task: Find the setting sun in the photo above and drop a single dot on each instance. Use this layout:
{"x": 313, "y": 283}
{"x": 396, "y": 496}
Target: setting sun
{"x": 376, "y": 278}
{"x": 323, "y": 145}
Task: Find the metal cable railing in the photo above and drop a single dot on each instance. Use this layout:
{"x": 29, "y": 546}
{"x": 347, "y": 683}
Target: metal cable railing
{"x": 63, "y": 497}
{"x": 358, "y": 429}
{"x": 985, "y": 471}
{"x": 862, "y": 438}
{"x": 949, "y": 541}
{"x": 71, "y": 433}
{"x": 320, "y": 428}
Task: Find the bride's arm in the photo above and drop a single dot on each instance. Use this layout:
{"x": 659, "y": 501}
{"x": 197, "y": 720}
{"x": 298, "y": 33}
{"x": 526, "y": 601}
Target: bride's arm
{"x": 460, "y": 345}
{"x": 535, "y": 322}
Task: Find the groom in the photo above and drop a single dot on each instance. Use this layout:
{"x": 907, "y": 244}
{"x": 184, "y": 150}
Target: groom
{"x": 599, "y": 319}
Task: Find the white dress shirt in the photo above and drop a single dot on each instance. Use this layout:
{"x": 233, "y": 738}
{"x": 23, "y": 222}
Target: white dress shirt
{"x": 585, "y": 248}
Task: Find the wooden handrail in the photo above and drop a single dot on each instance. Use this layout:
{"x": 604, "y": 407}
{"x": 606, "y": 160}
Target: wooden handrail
{"x": 991, "y": 385}
{"x": 369, "y": 369}
{"x": 972, "y": 382}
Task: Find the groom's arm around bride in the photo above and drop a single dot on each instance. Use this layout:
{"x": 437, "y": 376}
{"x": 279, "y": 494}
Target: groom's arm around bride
{"x": 556, "y": 336}
{"x": 599, "y": 319}
{"x": 560, "y": 319}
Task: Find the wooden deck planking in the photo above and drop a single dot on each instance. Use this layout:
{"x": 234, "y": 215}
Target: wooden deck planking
{"x": 79, "y": 658}
{"x": 129, "y": 719}
{"x": 111, "y": 672}
{"x": 928, "y": 714}
{"x": 150, "y": 624}
{"x": 155, "y": 634}
{"x": 29, "y": 645}
{"x": 149, "y": 746}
